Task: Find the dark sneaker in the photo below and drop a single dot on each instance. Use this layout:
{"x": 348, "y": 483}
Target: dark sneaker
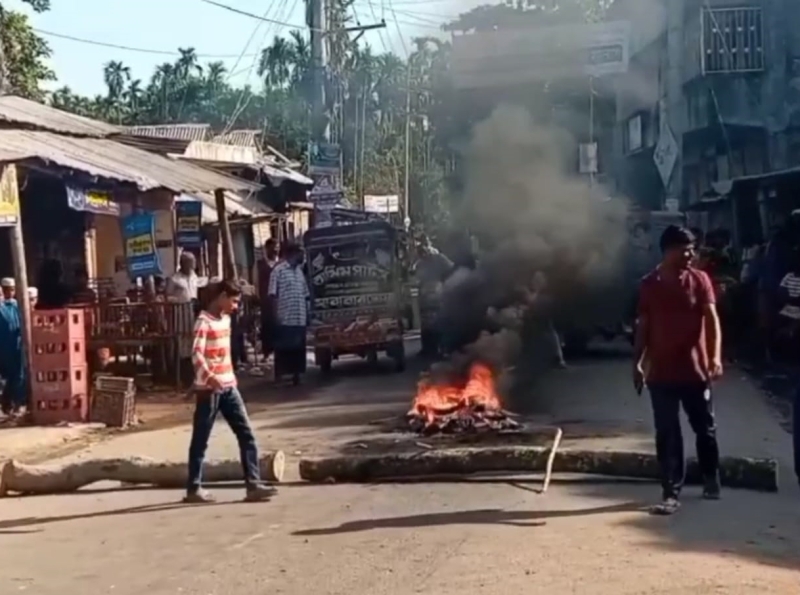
{"x": 199, "y": 497}
{"x": 711, "y": 489}
{"x": 260, "y": 493}
{"x": 667, "y": 507}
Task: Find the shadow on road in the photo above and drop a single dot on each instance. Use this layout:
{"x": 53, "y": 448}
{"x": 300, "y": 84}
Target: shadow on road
{"x": 9, "y": 526}
{"x": 516, "y": 518}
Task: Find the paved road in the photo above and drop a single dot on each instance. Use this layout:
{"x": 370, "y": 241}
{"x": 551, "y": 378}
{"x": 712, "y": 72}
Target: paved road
{"x": 481, "y": 537}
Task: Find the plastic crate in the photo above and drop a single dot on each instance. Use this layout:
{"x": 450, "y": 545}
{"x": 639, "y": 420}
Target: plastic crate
{"x": 60, "y": 395}
{"x": 114, "y": 401}
{"x": 58, "y": 354}
{"x": 49, "y": 326}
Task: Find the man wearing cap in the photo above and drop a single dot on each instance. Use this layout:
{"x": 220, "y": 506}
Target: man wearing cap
{"x": 12, "y": 360}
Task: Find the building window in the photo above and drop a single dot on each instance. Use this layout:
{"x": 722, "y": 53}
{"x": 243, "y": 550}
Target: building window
{"x": 732, "y": 40}
{"x": 634, "y": 133}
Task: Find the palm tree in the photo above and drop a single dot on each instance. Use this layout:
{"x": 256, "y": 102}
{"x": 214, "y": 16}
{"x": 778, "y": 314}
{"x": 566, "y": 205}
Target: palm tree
{"x": 275, "y": 63}
{"x": 133, "y": 97}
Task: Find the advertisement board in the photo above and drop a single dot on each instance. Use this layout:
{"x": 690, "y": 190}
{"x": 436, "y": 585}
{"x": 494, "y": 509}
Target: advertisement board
{"x": 138, "y": 235}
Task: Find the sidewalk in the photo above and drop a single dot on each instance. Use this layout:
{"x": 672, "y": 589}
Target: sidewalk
{"x": 36, "y": 443}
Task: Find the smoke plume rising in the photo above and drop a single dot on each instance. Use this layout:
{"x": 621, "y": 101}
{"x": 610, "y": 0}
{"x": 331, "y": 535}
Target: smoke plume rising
{"x": 532, "y": 215}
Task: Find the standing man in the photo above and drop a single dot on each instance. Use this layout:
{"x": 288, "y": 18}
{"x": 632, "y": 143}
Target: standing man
{"x": 182, "y": 291}
{"x": 265, "y": 268}
{"x": 430, "y": 269}
{"x": 12, "y": 354}
{"x": 288, "y": 292}
{"x": 216, "y": 392}
{"x": 678, "y": 354}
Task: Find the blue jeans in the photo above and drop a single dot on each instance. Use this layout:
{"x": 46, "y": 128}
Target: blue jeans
{"x": 230, "y": 404}
{"x": 696, "y": 401}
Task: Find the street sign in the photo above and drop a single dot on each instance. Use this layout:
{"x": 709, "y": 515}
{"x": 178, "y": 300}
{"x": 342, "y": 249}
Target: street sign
{"x": 666, "y": 154}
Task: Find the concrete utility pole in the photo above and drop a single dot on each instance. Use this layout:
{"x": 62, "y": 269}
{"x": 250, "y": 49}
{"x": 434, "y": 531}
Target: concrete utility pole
{"x": 15, "y": 238}
{"x": 317, "y": 21}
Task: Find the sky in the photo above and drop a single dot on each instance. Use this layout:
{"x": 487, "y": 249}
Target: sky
{"x": 215, "y": 33}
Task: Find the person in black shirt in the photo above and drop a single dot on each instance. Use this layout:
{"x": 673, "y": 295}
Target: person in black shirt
{"x": 54, "y": 293}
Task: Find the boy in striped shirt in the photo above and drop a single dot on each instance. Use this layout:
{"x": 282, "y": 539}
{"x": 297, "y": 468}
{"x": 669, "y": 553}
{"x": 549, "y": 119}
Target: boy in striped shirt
{"x": 216, "y": 392}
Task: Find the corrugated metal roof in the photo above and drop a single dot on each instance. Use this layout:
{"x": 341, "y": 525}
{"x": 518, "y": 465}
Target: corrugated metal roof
{"x": 279, "y": 174}
{"x": 234, "y": 204}
{"x": 30, "y": 114}
{"x": 111, "y": 160}
{"x": 185, "y": 132}
{"x": 164, "y": 146}
{"x": 239, "y": 138}
{"x": 213, "y": 151}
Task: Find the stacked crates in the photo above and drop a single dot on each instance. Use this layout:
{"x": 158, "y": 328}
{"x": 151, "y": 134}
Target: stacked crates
{"x": 59, "y": 372}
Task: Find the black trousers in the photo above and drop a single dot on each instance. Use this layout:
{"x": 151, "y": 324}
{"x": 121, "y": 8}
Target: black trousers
{"x": 696, "y": 401}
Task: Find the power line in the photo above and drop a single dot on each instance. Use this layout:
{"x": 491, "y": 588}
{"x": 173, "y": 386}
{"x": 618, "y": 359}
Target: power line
{"x": 252, "y": 15}
{"x": 128, "y": 48}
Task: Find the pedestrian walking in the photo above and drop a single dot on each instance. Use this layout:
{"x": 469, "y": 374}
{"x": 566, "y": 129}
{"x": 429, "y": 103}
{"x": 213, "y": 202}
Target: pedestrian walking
{"x": 677, "y": 355}
{"x": 289, "y": 295}
{"x": 216, "y": 392}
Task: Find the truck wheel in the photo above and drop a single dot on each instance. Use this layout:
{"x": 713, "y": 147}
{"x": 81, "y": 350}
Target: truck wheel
{"x": 324, "y": 359}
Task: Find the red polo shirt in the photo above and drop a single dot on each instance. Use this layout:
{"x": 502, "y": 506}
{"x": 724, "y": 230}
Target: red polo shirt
{"x": 676, "y": 342}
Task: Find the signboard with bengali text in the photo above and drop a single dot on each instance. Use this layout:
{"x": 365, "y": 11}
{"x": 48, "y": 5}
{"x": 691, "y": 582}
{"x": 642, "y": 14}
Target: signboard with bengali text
{"x": 141, "y": 255}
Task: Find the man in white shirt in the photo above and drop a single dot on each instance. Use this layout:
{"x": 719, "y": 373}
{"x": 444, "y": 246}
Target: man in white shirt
{"x": 182, "y": 291}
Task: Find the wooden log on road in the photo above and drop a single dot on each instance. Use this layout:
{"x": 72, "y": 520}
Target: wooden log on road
{"x": 56, "y": 479}
{"x": 735, "y": 472}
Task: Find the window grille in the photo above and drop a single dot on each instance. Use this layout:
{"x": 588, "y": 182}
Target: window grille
{"x": 732, "y": 40}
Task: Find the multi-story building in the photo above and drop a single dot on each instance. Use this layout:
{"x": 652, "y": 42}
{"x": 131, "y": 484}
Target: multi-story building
{"x": 718, "y": 83}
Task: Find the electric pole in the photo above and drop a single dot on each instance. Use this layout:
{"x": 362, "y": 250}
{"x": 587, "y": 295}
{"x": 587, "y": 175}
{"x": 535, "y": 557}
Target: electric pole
{"x": 317, "y": 13}
{"x": 317, "y": 23}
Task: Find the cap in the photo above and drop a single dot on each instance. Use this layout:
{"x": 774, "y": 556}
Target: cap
{"x": 8, "y": 282}
{"x": 33, "y": 292}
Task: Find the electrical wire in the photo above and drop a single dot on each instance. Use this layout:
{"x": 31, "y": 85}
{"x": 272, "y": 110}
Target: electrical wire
{"x": 399, "y": 31}
{"x": 255, "y": 16}
{"x": 241, "y": 104}
{"x": 127, "y": 48}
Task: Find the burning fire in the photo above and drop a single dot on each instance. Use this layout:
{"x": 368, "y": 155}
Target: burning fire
{"x": 471, "y": 405}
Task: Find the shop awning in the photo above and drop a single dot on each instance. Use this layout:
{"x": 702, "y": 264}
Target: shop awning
{"x": 115, "y": 162}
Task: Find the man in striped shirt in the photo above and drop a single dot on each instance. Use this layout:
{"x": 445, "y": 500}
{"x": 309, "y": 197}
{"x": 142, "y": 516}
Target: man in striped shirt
{"x": 216, "y": 392}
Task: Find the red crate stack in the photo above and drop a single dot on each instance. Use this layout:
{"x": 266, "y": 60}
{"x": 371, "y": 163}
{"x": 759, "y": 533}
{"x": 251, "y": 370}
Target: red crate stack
{"x": 59, "y": 373}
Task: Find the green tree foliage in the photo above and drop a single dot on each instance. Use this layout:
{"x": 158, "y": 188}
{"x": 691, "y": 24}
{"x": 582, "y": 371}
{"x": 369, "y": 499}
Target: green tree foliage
{"x": 369, "y": 95}
{"x": 24, "y": 54}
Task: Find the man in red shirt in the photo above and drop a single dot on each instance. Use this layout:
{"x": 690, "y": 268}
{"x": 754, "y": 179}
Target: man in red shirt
{"x": 677, "y": 355}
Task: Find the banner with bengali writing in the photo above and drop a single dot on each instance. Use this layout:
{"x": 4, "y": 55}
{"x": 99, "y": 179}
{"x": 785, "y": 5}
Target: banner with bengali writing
{"x": 138, "y": 234}
{"x": 188, "y": 221}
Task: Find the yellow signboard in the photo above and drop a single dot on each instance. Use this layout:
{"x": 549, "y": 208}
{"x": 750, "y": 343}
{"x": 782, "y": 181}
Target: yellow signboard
{"x": 9, "y": 195}
{"x": 140, "y": 246}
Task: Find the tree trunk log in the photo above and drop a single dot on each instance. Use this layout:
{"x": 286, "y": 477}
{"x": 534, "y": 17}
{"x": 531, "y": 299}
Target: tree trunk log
{"x": 55, "y": 479}
{"x": 735, "y": 472}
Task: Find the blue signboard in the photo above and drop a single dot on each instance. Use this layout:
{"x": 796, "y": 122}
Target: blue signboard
{"x": 99, "y": 202}
{"x": 188, "y": 219}
{"x": 138, "y": 233}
